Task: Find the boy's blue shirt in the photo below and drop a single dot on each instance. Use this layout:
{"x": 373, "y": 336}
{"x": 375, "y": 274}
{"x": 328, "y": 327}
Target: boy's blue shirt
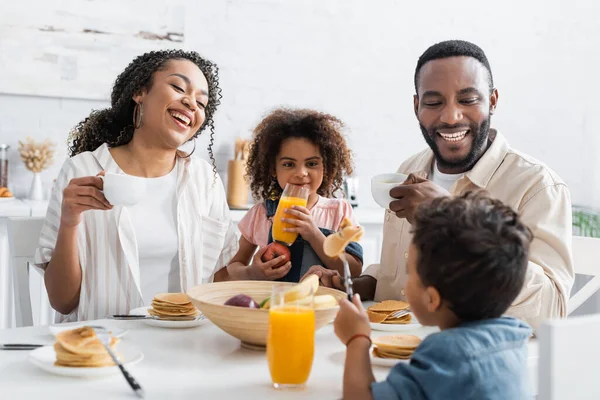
{"x": 476, "y": 360}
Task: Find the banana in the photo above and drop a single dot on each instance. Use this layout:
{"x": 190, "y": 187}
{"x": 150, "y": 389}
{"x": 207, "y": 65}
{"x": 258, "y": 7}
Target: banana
{"x": 297, "y": 292}
{"x": 303, "y": 289}
{"x": 319, "y": 302}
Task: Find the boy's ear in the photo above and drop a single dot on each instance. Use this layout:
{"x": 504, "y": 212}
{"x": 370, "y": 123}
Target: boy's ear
{"x": 434, "y": 302}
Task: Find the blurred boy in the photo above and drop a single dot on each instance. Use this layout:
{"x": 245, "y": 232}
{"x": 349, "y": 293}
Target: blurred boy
{"x": 466, "y": 265}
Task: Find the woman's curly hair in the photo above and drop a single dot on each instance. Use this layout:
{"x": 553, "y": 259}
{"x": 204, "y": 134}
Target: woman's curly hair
{"x": 322, "y": 129}
{"x": 114, "y": 125}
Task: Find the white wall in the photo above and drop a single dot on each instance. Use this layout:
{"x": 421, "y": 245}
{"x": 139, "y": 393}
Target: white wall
{"x": 356, "y": 58}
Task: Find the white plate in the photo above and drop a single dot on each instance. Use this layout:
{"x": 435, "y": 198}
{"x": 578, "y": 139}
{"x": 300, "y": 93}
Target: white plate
{"x": 414, "y": 324}
{"x": 6, "y": 199}
{"x": 167, "y": 324}
{"x": 56, "y": 329}
{"x": 45, "y": 357}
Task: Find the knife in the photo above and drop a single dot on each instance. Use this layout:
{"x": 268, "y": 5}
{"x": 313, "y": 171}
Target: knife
{"x": 347, "y": 279}
{"x": 19, "y": 346}
{"x": 166, "y": 318}
{"x": 127, "y": 316}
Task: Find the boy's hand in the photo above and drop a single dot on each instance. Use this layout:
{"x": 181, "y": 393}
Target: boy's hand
{"x": 303, "y": 222}
{"x": 352, "y": 319}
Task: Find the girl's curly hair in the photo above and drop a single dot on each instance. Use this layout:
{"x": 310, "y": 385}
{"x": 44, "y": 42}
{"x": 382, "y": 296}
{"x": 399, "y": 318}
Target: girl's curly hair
{"x": 322, "y": 129}
{"x": 114, "y": 125}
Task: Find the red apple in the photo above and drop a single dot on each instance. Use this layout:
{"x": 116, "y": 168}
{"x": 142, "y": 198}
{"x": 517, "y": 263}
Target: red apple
{"x": 275, "y": 250}
{"x": 242, "y": 300}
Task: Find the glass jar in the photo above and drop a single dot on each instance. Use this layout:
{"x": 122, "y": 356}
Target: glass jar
{"x": 4, "y": 165}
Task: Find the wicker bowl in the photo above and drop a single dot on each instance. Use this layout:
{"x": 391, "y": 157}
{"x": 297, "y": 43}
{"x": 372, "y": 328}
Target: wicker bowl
{"x": 250, "y": 325}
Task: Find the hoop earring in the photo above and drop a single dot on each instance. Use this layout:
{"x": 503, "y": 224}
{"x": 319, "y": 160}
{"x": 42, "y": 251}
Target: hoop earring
{"x": 192, "y": 152}
{"x": 138, "y": 113}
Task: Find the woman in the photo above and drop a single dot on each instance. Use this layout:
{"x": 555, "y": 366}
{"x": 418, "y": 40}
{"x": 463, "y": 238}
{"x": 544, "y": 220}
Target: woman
{"x": 101, "y": 259}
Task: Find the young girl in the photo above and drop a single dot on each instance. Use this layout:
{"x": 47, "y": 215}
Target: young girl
{"x": 301, "y": 147}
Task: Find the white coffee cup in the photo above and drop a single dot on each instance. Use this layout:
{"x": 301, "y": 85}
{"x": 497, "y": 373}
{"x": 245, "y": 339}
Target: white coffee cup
{"x": 122, "y": 189}
{"x": 381, "y": 186}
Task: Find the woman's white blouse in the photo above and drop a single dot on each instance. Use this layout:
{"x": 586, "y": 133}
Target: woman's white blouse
{"x": 107, "y": 244}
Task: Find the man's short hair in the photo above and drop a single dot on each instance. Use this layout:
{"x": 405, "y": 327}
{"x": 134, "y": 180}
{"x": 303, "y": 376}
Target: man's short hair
{"x": 453, "y": 48}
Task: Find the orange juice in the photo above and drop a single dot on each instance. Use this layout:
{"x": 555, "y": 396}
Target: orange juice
{"x": 279, "y": 234}
{"x": 291, "y": 344}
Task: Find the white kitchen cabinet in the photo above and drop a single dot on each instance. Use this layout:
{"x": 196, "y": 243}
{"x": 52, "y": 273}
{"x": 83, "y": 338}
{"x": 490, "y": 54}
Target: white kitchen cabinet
{"x": 14, "y": 208}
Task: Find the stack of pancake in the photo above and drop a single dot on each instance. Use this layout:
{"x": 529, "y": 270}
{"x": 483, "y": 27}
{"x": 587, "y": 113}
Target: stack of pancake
{"x": 381, "y": 313}
{"x": 173, "y": 305}
{"x": 400, "y": 347}
{"x": 81, "y": 348}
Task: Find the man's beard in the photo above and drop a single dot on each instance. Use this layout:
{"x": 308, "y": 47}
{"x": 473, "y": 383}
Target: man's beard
{"x": 478, "y": 145}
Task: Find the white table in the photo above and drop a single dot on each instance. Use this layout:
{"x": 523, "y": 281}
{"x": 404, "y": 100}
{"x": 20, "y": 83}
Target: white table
{"x": 197, "y": 363}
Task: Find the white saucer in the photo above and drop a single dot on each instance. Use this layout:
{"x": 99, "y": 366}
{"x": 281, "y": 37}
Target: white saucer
{"x": 45, "y": 357}
{"x": 56, "y": 329}
{"x": 167, "y": 324}
{"x": 413, "y": 324}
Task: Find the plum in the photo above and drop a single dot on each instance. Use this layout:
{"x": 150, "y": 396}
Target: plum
{"x": 242, "y": 300}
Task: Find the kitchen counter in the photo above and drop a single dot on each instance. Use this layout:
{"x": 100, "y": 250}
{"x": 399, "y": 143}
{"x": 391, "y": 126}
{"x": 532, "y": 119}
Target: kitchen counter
{"x": 30, "y": 208}
{"x": 22, "y": 208}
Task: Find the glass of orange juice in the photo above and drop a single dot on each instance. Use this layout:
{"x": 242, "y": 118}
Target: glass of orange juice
{"x": 291, "y": 339}
{"x": 293, "y": 195}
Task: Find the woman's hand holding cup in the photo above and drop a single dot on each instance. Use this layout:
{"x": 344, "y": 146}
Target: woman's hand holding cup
{"x": 82, "y": 194}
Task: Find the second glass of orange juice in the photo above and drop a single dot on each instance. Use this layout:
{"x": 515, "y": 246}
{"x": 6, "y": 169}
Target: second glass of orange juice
{"x": 293, "y": 195}
{"x": 291, "y": 340}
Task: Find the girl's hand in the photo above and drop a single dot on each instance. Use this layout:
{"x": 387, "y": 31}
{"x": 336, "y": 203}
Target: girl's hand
{"x": 267, "y": 271}
{"x": 303, "y": 222}
{"x": 351, "y": 319}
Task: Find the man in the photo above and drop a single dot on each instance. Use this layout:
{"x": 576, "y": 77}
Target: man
{"x": 455, "y": 98}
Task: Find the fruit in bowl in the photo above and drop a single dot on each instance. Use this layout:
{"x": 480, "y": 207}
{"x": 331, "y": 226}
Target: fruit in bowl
{"x": 251, "y": 325}
{"x": 299, "y": 294}
{"x": 242, "y": 300}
